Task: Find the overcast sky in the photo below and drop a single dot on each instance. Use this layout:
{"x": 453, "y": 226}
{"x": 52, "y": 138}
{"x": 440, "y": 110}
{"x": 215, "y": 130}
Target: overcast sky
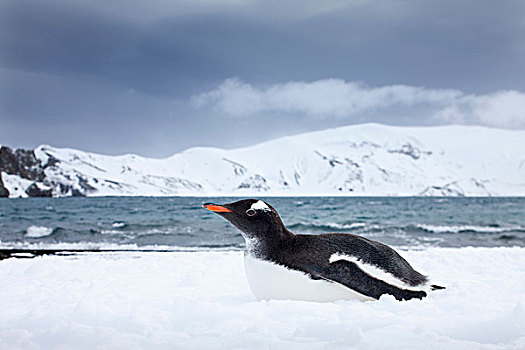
{"x": 157, "y": 77}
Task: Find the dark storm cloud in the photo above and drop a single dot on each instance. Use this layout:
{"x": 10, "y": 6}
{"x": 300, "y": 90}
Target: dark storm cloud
{"x": 121, "y": 73}
{"x": 78, "y": 41}
{"x": 438, "y": 43}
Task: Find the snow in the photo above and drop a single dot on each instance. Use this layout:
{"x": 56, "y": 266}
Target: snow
{"x": 201, "y": 300}
{"x": 360, "y": 160}
{"x": 15, "y": 185}
{"x": 38, "y": 231}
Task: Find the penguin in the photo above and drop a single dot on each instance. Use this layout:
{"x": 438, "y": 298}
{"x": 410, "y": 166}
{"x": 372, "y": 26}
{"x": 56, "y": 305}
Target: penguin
{"x": 324, "y": 267}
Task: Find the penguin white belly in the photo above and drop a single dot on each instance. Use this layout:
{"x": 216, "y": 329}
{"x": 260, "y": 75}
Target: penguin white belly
{"x": 268, "y": 280}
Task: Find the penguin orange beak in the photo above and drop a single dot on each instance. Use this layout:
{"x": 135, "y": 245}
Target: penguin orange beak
{"x": 216, "y": 208}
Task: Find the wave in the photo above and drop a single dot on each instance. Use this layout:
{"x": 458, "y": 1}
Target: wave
{"x": 104, "y": 246}
{"x": 328, "y": 226}
{"x": 469, "y": 228}
{"x": 141, "y": 231}
{"x": 414, "y": 228}
{"x": 39, "y": 231}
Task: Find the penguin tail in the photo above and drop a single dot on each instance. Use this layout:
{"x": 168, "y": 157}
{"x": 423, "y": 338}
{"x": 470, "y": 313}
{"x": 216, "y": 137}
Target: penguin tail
{"x": 436, "y": 287}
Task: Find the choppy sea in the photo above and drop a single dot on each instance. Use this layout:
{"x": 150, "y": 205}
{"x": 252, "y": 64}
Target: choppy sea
{"x": 180, "y": 223}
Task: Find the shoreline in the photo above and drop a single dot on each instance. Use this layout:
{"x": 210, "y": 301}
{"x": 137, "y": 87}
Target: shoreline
{"x": 30, "y": 253}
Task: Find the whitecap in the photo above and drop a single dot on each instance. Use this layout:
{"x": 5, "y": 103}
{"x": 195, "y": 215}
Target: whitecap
{"x": 38, "y": 231}
{"x": 461, "y": 228}
{"x": 346, "y": 226}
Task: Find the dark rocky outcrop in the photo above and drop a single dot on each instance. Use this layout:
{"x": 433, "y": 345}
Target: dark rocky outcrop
{"x": 25, "y": 164}
{"x": 3, "y": 191}
{"x": 256, "y": 182}
{"x": 21, "y": 162}
{"x": 408, "y": 150}
{"x": 35, "y": 191}
{"x": 69, "y": 190}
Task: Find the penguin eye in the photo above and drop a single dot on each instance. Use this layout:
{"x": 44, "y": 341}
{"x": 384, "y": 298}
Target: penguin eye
{"x": 250, "y": 212}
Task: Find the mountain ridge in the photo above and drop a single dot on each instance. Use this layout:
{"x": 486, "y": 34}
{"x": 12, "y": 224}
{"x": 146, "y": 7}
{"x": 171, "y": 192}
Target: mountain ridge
{"x": 364, "y": 160}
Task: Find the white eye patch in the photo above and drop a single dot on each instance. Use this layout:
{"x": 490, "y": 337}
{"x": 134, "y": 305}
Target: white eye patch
{"x": 260, "y": 205}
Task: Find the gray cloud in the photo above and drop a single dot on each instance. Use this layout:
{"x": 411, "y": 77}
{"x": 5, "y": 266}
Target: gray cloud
{"x": 447, "y": 45}
{"x": 335, "y": 98}
{"x": 134, "y": 65}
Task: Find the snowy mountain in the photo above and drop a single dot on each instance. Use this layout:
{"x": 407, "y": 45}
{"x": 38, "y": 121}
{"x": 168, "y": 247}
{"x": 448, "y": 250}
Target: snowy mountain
{"x": 362, "y": 160}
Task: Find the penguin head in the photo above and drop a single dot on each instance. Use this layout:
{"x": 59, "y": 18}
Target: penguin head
{"x": 257, "y": 220}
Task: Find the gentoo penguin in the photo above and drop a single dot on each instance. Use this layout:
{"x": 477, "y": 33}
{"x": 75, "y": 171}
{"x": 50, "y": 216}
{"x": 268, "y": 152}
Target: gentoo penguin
{"x": 325, "y": 267}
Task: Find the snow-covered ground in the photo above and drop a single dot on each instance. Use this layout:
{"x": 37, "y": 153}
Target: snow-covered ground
{"x": 362, "y": 160}
{"x": 201, "y": 300}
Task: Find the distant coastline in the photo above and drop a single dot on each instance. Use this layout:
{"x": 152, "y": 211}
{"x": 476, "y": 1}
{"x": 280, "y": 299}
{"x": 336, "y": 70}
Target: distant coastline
{"x": 358, "y": 160}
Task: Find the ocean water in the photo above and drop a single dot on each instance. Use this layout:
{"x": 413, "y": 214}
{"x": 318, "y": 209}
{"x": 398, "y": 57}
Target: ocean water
{"x": 180, "y": 223}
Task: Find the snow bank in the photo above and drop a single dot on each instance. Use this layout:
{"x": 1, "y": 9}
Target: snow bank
{"x": 201, "y": 300}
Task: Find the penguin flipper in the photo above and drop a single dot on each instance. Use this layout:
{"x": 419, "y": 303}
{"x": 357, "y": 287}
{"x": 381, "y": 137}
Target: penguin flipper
{"x": 350, "y": 275}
